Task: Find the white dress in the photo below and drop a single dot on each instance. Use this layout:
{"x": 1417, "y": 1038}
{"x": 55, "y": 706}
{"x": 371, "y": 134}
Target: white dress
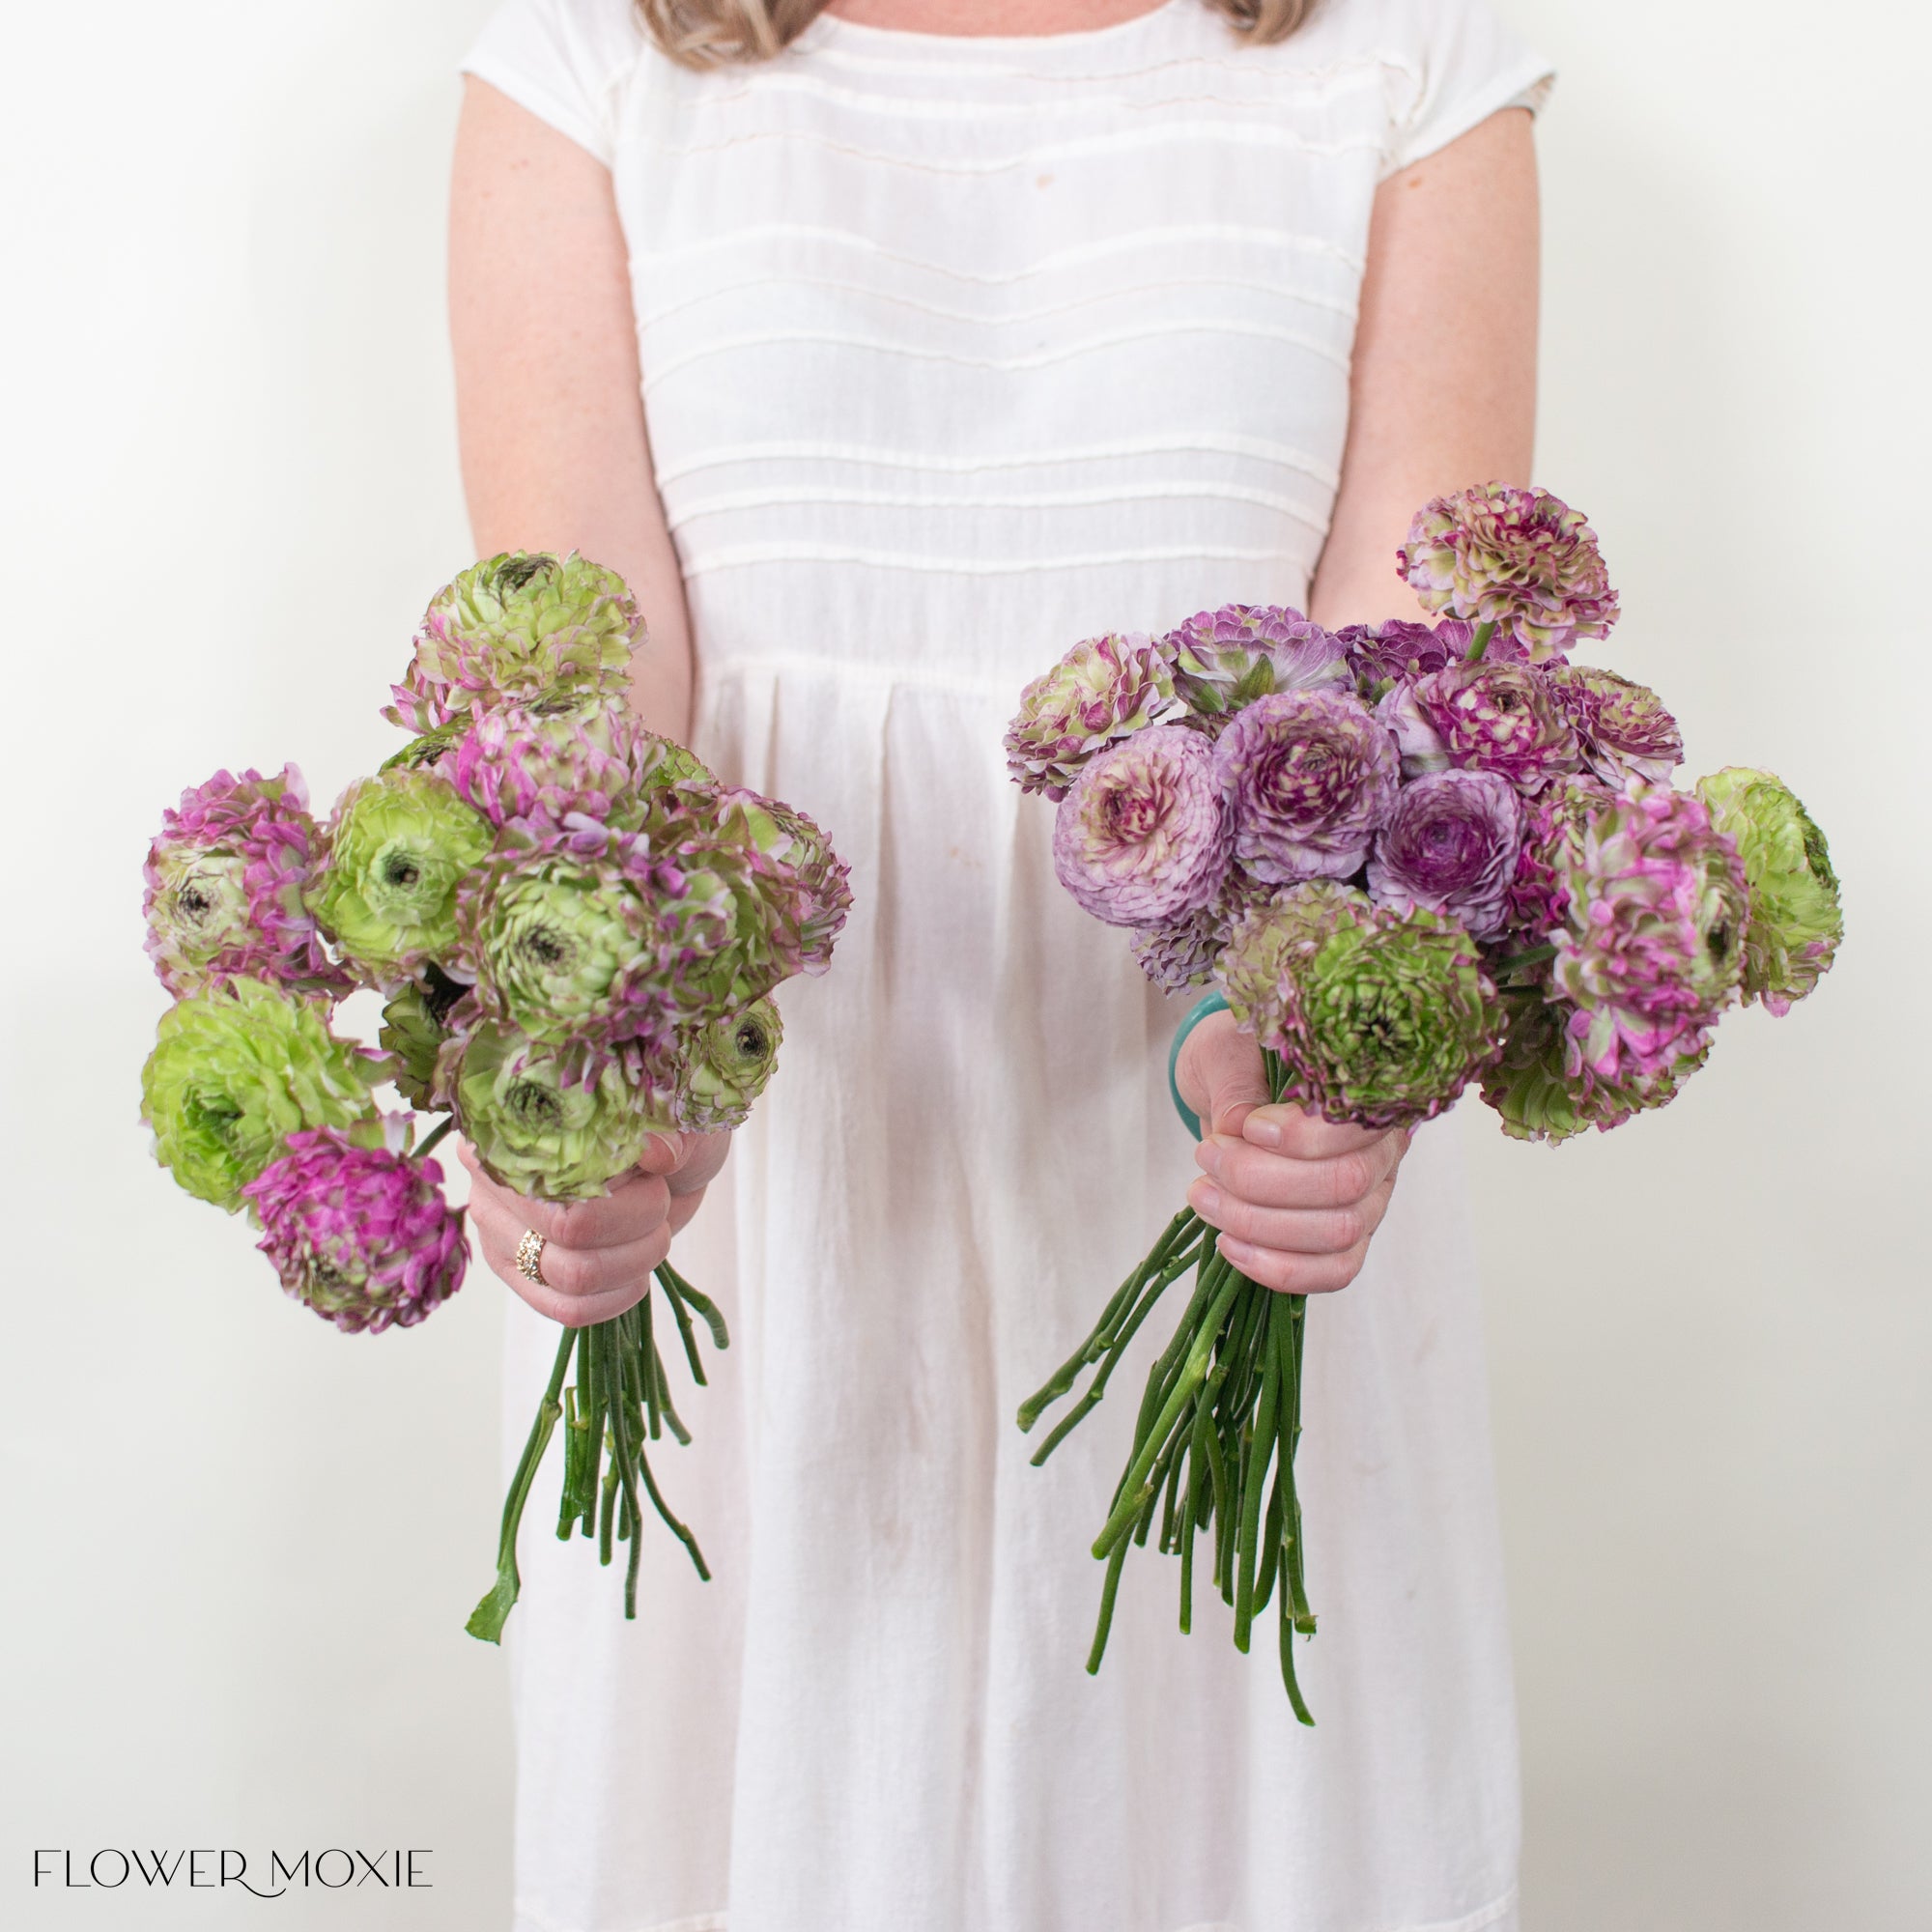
{"x": 955, "y": 352}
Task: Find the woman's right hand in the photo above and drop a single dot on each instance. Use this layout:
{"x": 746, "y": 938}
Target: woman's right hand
{"x": 598, "y": 1256}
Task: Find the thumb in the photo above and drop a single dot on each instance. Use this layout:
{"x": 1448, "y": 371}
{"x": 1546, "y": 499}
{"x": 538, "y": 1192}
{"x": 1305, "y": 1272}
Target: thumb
{"x": 1226, "y": 1067}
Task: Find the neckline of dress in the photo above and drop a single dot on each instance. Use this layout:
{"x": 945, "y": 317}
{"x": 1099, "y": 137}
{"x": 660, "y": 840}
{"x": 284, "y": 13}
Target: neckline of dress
{"x": 829, "y": 27}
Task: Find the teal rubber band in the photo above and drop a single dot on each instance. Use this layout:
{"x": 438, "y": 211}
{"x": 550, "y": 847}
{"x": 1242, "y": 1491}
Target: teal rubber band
{"x": 1212, "y": 1004}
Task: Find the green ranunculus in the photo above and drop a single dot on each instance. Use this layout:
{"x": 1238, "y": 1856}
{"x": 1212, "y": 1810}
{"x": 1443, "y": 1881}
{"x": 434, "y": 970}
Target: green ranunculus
{"x": 1379, "y": 1018}
{"x": 520, "y": 628}
{"x": 201, "y": 911}
{"x": 550, "y": 934}
{"x": 398, "y": 845}
{"x": 546, "y": 1121}
{"x": 416, "y": 1028}
{"x": 726, "y": 1066}
{"x": 236, "y": 1070}
{"x": 1796, "y": 923}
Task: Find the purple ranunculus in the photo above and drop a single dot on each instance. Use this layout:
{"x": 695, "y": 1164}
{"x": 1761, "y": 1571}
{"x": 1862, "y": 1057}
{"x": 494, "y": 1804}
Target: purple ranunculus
{"x": 1224, "y": 660}
{"x": 1311, "y": 778}
{"x": 1141, "y": 838}
{"x": 1450, "y": 846}
{"x": 1622, "y": 727}
{"x": 1521, "y": 560}
{"x": 362, "y": 1235}
{"x": 1399, "y": 652}
{"x": 1484, "y": 717}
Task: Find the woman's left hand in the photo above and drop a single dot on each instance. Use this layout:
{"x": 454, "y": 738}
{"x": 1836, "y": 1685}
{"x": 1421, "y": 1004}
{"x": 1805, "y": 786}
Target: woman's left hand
{"x": 1296, "y": 1198}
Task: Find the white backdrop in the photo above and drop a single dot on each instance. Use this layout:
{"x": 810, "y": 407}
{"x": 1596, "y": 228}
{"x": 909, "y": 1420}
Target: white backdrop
{"x": 238, "y": 1551}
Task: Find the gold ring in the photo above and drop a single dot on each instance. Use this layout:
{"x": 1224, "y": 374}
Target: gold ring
{"x": 529, "y": 1257}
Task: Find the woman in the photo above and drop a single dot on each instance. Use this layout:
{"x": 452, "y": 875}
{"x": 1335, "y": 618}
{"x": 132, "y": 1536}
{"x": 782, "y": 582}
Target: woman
{"x": 962, "y": 331}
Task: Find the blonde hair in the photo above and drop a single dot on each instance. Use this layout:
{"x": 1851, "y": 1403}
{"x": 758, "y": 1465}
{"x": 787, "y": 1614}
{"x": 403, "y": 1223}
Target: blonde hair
{"x": 716, "y": 33}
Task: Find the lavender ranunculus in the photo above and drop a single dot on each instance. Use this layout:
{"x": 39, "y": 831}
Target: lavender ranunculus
{"x": 1483, "y": 717}
{"x": 1103, "y": 689}
{"x": 360, "y": 1234}
{"x": 1651, "y": 947}
{"x": 1224, "y": 660}
{"x": 1450, "y": 846}
{"x": 1521, "y": 560}
{"x": 1311, "y": 778}
{"x": 1183, "y": 952}
{"x": 225, "y": 880}
{"x": 1622, "y": 728}
{"x": 1141, "y": 838}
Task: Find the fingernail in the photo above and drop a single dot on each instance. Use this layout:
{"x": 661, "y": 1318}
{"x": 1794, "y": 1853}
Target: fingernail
{"x": 1263, "y": 1132}
{"x": 1243, "y": 1254}
{"x": 1207, "y": 1157}
{"x": 1206, "y": 1198}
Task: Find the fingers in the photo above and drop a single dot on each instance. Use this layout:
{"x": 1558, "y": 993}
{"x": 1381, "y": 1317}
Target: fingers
{"x": 1286, "y": 1180}
{"x": 1304, "y": 1135}
{"x": 636, "y": 1205}
{"x": 581, "y": 1283}
{"x": 1297, "y": 1225}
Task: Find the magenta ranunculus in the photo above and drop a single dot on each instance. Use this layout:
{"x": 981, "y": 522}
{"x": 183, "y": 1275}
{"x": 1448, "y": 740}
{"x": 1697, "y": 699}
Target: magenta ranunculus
{"x": 362, "y": 1235}
{"x": 1622, "y": 727}
{"x": 1483, "y": 717}
{"x": 513, "y": 763}
{"x": 1521, "y": 560}
{"x": 1450, "y": 846}
{"x": 1141, "y": 838}
{"x": 1651, "y": 947}
{"x": 1552, "y": 820}
{"x": 225, "y": 880}
{"x": 1311, "y": 778}
{"x": 1224, "y": 660}
{"x": 1103, "y": 689}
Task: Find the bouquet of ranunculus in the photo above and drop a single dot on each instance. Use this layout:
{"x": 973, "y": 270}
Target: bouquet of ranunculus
{"x": 1407, "y": 857}
{"x": 576, "y": 930}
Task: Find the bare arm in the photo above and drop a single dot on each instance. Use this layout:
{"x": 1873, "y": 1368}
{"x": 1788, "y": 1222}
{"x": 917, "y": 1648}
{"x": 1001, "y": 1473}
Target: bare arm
{"x": 554, "y": 451}
{"x": 1443, "y": 394}
{"x": 555, "y": 457}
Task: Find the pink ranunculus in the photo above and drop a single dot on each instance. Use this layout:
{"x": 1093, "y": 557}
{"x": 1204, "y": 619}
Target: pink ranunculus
{"x": 362, "y": 1235}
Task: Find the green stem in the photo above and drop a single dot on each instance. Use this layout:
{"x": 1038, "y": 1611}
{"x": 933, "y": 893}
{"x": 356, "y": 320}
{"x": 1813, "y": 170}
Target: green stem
{"x": 1480, "y": 642}
{"x": 488, "y": 1618}
{"x": 1193, "y": 1371}
{"x": 1254, "y": 1487}
{"x": 434, "y": 1136}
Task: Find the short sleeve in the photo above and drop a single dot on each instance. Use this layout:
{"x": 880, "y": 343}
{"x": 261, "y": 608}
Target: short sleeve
{"x": 565, "y": 61}
{"x": 1461, "y": 65}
